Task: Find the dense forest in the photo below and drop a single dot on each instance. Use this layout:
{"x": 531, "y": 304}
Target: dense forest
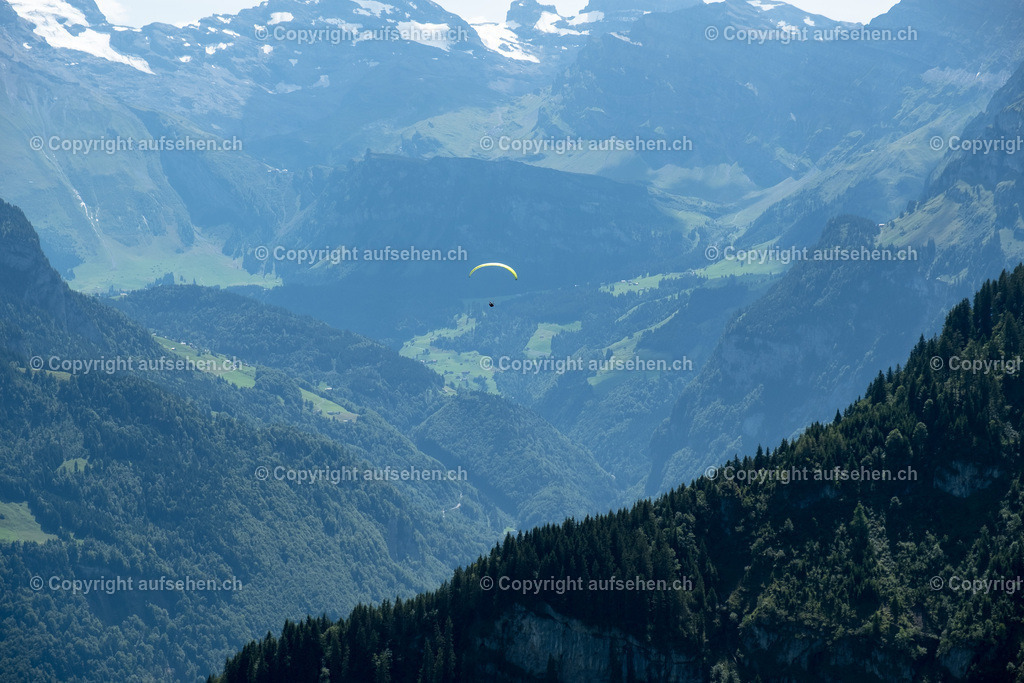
{"x": 146, "y": 475}
{"x": 547, "y": 478}
{"x": 885, "y": 545}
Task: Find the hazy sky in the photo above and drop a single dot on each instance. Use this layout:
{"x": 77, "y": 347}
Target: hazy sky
{"x": 140, "y": 12}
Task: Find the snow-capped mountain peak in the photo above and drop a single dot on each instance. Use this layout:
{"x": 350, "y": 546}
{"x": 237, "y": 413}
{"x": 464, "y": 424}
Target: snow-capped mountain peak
{"x": 63, "y": 25}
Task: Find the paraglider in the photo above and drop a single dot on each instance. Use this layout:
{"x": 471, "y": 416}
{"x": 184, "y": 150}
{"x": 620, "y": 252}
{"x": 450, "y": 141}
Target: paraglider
{"x": 496, "y": 265}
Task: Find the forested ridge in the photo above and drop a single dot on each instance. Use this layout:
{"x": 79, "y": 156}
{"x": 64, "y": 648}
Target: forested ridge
{"x": 858, "y": 576}
{"x": 356, "y": 368}
{"x": 156, "y": 475}
{"x": 517, "y": 460}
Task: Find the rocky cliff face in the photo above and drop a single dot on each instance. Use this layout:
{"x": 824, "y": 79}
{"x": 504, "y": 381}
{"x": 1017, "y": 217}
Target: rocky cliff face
{"x": 526, "y": 641}
{"x": 988, "y": 153}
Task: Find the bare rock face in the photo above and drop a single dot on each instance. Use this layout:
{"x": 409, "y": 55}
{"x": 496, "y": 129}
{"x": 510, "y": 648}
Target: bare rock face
{"x": 961, "y": 479}
{"x": 526, "y": 641}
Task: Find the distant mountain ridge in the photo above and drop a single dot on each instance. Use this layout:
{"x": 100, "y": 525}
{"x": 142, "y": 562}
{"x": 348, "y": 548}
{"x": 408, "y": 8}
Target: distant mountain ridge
{"x": 766, "y": 386}
{"x": 295, "y": 87}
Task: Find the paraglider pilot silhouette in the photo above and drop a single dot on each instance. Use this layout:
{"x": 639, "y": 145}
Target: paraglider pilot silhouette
{"x": 494, "y": 265}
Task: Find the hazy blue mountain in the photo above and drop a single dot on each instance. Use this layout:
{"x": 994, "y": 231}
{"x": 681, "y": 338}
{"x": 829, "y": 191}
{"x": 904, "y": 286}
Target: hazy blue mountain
{"x": 285, "y": 85}
{"x": 755, "y": 116}
{"x": 814, "y": 339}
{"x": 881, "y": 546}
{"x": 786, "y": 111}
{"x": 492, "y": 211}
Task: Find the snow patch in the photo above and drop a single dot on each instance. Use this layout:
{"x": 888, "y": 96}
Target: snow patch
{"x": 502, "y": 39}
{"x": 763, "y": 6}
{"x": 624, "y": 39}
{"x": 809, "y": 21}
{"x": 586, "y": 18}
{"x": 546, "y": 24}
{"x": 51, "y": 18}
{"x": 280, "y": 18}
{"x": 267, "y": 49}
{"x": 210, "y": 49}
{"x": 185, "y": 60}
{"x": 373, "y": 8}
{"x": 431, "y": 35}
{"x": 343, "y": 25}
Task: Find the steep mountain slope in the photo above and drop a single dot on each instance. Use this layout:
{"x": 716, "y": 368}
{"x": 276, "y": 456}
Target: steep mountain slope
{"x": 962, "y": 54}
{"x": 773, "y": 97}
{"x": 973, "y": 206}
{"x": 288, "y": 84}
{"x": 810, "y": 342}
{"x": 520, "y": 464}
{"x": 357, "y": 369}
{"x": 883, "y": 546}
{"x": 122, "y": 463}
{"x": 814, "y": 339}
{"x": 491, "y": 211}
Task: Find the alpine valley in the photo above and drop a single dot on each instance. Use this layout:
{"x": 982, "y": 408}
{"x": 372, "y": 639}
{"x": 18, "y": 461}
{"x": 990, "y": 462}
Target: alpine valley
{"x": 247, "y": 384}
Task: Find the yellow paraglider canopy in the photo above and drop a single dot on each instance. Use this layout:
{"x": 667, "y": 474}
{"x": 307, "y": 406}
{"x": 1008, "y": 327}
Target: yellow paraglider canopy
{"x": 497, "y": 265}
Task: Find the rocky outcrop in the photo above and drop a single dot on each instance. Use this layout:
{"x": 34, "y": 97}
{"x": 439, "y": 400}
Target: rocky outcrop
{"x": 524, "y": 642}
